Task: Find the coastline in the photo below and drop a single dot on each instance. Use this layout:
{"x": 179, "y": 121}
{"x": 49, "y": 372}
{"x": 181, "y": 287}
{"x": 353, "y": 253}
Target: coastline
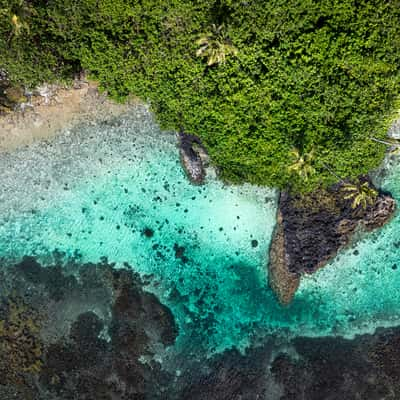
{"x": 53, "y": 108}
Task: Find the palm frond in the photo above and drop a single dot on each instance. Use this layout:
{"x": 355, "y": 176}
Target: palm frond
{"x": 361, "y": 194}
{"x": 215, "y": 46}
{"x": 302, "y": 163}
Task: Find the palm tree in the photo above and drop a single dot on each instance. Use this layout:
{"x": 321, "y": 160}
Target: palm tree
{"x": 215, "y": 46}
{"x": 17, "y": 25}
{"x": 361, "y": 195}
{"x": 18, "y": 12}
{"x": 302, "y": 164}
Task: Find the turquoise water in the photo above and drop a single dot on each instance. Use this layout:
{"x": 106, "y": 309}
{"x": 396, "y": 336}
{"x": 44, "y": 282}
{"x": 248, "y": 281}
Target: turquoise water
{"x": 115, "y": 189}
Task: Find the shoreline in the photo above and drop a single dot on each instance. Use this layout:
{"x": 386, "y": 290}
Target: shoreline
{"x": 54, "y": 108}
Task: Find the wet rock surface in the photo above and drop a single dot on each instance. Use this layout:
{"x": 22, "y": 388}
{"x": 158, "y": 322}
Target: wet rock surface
{"x": 311, "y": 230}
{"x": 283, "y": 282}
{"x": 193, "y": 157}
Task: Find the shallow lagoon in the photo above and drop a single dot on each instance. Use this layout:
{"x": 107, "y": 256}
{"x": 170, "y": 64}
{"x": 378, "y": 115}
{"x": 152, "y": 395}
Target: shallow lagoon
{"x": 115, "y": 189}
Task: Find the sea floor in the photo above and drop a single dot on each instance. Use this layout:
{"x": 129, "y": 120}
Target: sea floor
{"x": 113, "y": 191}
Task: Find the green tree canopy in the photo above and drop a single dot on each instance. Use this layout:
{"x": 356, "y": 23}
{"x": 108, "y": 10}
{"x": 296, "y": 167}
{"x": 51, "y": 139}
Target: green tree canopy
{"x": 319, "y": 76}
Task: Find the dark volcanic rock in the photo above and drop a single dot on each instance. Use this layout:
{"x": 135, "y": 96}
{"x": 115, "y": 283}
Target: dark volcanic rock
{"x": 312, "y": 228}
{"x": 193, "y": 157}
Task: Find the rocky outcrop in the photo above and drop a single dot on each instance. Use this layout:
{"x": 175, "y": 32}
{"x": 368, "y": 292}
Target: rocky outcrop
{"x": 312, "y": 228}
{"x": 193, "y": 157}
{"x": 282, "y": 281}
{"x": 10, "y": 95}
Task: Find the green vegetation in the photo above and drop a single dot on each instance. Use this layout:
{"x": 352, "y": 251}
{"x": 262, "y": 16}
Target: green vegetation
{"x": 393, "y": 145}
{"x": 303, "y": 163}
{"x": 215, "y": 45}
{"x": 361, "y": 194}
{"x": 254, "y": 79}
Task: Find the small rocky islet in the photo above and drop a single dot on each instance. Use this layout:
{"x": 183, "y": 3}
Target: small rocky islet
{"x": 312, "y": 228}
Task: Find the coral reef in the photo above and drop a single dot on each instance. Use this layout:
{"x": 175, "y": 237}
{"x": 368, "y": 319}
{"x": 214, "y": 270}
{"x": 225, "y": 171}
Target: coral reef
{"x": 98, "y": 331}
{"x": 20, "y": 344}
{"x": 94, "y": 337}
{"x": 335, "y": 368}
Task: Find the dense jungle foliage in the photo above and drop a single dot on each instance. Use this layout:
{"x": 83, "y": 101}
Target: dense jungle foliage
{"x": 282, "y": 92}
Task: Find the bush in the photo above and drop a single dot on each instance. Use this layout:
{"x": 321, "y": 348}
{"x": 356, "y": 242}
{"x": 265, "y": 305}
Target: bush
{"x": 319, "y": 76}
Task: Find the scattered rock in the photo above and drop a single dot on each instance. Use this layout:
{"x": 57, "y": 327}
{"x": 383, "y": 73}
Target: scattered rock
{"x": 148, "y": 232}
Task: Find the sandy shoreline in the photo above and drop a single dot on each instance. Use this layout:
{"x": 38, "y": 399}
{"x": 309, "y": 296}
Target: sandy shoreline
{"x": 53, "y": 109}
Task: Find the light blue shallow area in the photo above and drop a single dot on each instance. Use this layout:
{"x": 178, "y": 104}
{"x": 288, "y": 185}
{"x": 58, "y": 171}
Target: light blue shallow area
{"x": 115, "y": 189}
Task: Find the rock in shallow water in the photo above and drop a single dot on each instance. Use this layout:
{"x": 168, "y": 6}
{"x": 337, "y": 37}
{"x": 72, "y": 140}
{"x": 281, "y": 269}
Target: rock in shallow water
{"x": 312, "y": 228}
{"x": 282, "y": 281}
{"x": 193, "y": 157}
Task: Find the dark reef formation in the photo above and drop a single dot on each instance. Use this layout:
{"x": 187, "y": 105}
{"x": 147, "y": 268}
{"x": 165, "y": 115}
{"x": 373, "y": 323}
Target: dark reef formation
{"x": 231, "y": 376}
{"x": 193, "y": 157}
{"x": 91, "y": 334}
{"x": 312, "y": 228}
{"x": 88, "y": 335}
{"x": 364, "y": 368}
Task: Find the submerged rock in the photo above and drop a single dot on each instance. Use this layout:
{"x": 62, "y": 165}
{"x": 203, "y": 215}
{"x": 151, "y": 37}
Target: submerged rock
{"x": 312, "y": 228}
{"x": 193, "y": 157}
{"x": 83, "y": 331}
{"x": 334, "y": 368}
{"x": 310, "y": 368}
